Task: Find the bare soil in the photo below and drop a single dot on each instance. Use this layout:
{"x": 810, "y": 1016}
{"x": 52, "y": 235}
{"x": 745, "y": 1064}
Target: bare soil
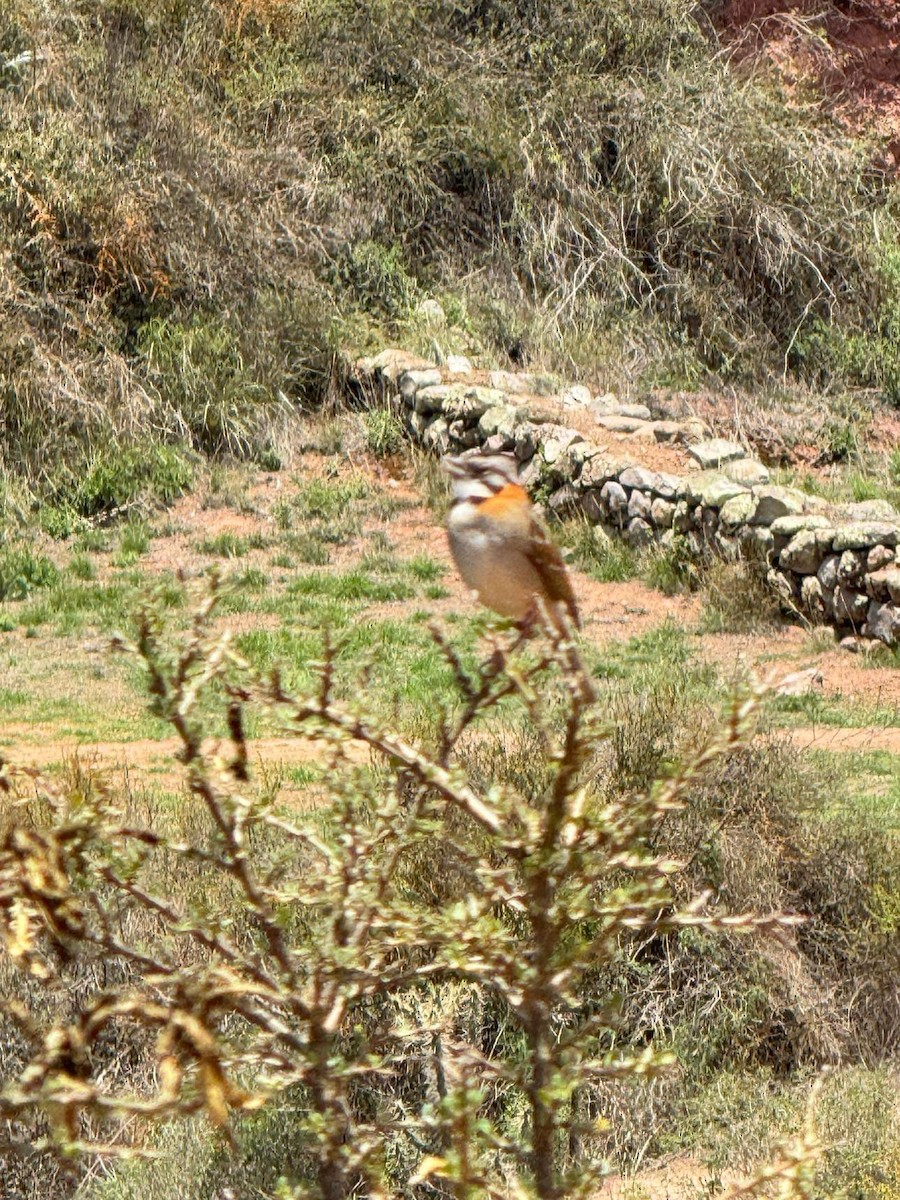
{"x": 52, "y": 667}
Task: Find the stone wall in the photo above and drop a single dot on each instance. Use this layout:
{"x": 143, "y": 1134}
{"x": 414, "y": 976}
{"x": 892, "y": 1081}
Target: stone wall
{"x": 834, "y": 564}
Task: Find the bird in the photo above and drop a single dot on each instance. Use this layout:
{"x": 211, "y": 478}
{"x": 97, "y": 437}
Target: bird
{"x": 499, "y": 545}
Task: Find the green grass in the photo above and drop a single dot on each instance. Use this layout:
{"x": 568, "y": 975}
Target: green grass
{"x": 604, "y": 558}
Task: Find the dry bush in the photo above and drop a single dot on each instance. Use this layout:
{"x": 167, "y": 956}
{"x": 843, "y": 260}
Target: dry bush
{"x": 418, "y": 971}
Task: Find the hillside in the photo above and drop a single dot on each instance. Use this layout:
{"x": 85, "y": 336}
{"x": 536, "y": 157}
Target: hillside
{"x": 205, "y": 206}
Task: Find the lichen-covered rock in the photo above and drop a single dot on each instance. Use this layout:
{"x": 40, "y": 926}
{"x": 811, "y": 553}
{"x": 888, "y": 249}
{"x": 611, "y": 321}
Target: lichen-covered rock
{"x": 756, "y": 541}
{"x": 464, "y": 436}
{"x": 656, "y": 482}
{"x": 555, "y": 442}
{"x": 526, "y": 441}
{"x": 851, "y": 566}
{"x": 430, "y": 399}
{"x": 610, "y": 406}
{"x": 437, "y": 436}
{"x": 497, "y": 417}
{"x": 614, "y": 497}
{"x": 639, "y": 505}
{"x": 592, "y": 506}
{"x": 566, "y": 499}
{"x": 638, "y": 533}
{"x": 827, "y": 573}
{"x": 788, "y": 526}
{"x": 878, "y": 557}
{"x": 870, "y": 510}
{"x": 458, "y": 364}
{"x": 737, "y": 511}
{"x": 576, "y": 396}
{"x": 811, "y": 596}
{"x": 618, "y": 424}
{"x": 411, "y": 381}
{"x": 781, "y": 585}
{"x": 662, "y": 512}
{"x": 468, "y": 403}
{"x": 747, "y": 471}
{"x": 850, "y": 606}
{"x": 598, "y": 469}
{"x": 683, "y": 517}
{"x": 883, "y": 623}
{"x": 718, "y": 491}
{"x": 863, "y": 535}
{"x": 499, "y": 443}
{"x": 715, "y": 452}
{"x": 805, "y": 551}
{"x": 388, "y": 366}
{"x": 884, "y": 584}
{"x": 415, "y": 424}
{"x": 773, "y": 502}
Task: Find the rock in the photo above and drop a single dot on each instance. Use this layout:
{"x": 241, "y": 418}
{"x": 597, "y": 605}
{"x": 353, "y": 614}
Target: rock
{"x": 804, "y": 552}
{"x": 598, "y": 469}
{"x": 430, "y": 399}
{"x": 773, "y": 502}
{"x": 554, "y": 447}
{"x": 617, "y": 424}
{"x": 883, "y": 623}
{"x": 565, "y": 499}
{"x": 493, "y": 418}
{"x": 853, "y": 644}
{"x": 870, "y": 510}
{"x": 811, "y": 595}
{"x": 649, "y": 481}
{"x": 498, "y": 443}
{"x": 851, "y": 566}
{"x": 709, "y": 522}
{"x": 756, "y": 541}
{"x": 391, "y": 364}
{"x": 464, "y": 435}
{"x": 411, "y": 381}
{"x": 530, "y": 474}
{"x": 638, "y": 533}
{"x": 576, "y": 396}
{"x": 884, "y": 584}
{"x": 737, "y": 511}
{"x": 781, "y": 585}
{"x": 850, "y": 606}
{"x": 592, "y": 506}
{"x": 432, "y": 311}
{"x": 639, "y": 505}
{"x": 610, "y": 406}
{"x": 614, "y": 497}
{"x": 415, "y": 425}
{"x": 669, "y": 431}
{"x": 458, "y": 364}
{"x": 662, "y": 513}
{"x": 526, "y": 441}
{"x": 788, "y": 526}
{"x": 747, "y": 471}
{"x": 437, "y": 436}
{"x": 470, "y": 403}
{"x": 719, "y": 491}
{"x": 715, "y": 452}
{"x": 513, "y": 382}
{"x": 682, "y": 519}
{"x": 827, "y": 573}
{"x": 878, "y": 557}
{"x": 863, "y": 535}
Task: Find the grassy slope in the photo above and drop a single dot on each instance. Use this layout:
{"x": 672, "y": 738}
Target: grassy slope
{"x": 203, "y": 203}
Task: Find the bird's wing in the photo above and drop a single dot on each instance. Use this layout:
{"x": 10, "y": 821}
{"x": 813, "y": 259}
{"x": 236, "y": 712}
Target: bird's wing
{"x": 547, "y": 561}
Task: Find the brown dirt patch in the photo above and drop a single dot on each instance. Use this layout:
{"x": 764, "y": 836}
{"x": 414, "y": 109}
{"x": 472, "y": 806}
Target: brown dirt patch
{"x": 846, "y": 741}
{"x": 682, "y": 1178}
{"x": 850, "y": 49}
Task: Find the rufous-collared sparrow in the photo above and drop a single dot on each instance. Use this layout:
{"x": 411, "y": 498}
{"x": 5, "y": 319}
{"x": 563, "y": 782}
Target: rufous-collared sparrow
{"x": 500, "y": 546}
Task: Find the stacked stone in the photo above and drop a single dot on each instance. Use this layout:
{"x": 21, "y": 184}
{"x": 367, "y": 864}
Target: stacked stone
{"x": 836, "y": 564}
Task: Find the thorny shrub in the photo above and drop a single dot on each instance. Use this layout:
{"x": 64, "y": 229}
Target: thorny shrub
{"x": 247, "y": 948}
